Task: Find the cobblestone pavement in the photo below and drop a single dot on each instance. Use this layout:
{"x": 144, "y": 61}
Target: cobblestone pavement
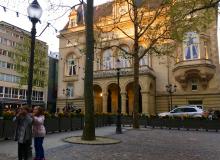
{"x": 143, "y": 144}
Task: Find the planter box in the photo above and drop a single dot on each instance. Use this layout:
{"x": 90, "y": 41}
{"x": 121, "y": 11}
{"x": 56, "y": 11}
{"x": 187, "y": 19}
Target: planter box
{"x": 112, "y": 120}
{"x": 156, "y": 122}
{"x": 211, "y": 125}
{"x": 52, "y": 125}
{"x": 143, "y": 121}
{"x": 192, "y": 124}
{"x": 127, "y": 120}
{"x": 1, "y": 128}
{"x": 173, "y": 123}
{"x": 105, "y": 120}
{"x": 9, "y": 129}
{"x": 65, "y": 124}
{"x": 76, "y": 123}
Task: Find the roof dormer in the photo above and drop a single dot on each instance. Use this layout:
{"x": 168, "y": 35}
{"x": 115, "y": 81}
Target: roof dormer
{"x": 72, "y": 19}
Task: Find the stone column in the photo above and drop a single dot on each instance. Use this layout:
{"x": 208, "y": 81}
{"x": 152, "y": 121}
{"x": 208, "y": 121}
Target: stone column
{"x": 123, "y": 103}
{"x": 104, "y": 102}
{"x": 146, "y": 103}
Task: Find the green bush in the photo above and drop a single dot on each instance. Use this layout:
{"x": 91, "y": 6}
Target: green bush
{"x": 8, "y": 115}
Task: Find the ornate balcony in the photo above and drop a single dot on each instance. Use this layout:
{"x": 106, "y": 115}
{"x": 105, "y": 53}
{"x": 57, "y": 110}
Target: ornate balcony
{"x": 202, "y": 69}
{"x": 144, "y": 70}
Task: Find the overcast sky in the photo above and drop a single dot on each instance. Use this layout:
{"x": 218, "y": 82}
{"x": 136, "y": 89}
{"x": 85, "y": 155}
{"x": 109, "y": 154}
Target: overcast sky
{"x": 49, "y": 15}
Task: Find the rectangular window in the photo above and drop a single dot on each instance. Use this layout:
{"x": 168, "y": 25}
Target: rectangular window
{"x": 34, "y": 96}
{"x": 22, "y": 94}
{"x": 9, "y": 43}
{"x": 4, "y": 41}
{"x": 14, "y": 93}
{"x": 194, "y": 85}
{"x": 41, "y": 96}
{"x": 70, "y": 90}
{"x": 191, "y": 46}
{"x": 5, "y": 53}
{"x": 8, "y": 92}
{"x": 1, "y": 91}
{"x": 8, "y": 78}
{"x": 1, "y": 77}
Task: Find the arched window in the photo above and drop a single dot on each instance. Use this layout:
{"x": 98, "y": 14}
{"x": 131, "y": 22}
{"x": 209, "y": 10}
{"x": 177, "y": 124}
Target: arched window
{"x": 107, "y": 59}
{"x": 191, "y": 46}
{"x": 71, "y": 65}
{"x": 125, "y": 59}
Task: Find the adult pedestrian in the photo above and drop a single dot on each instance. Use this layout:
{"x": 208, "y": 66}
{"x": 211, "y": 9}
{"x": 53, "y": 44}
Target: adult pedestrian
{"x": 38, "y": 132}
{"x": 23, "y": 132}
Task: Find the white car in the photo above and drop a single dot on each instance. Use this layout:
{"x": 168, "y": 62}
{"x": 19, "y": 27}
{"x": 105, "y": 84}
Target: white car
{"x": 191, "y": 111}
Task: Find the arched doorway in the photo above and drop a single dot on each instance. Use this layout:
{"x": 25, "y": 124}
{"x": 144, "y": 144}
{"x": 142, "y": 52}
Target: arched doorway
{"x": 130, "y": 99}
{"x": 97, "y": 90}
{"x": 112, "y": 100}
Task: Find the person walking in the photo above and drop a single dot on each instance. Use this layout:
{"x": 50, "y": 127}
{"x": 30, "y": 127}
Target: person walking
{"x": 38, "y": 132}
{"x": 23, "y": 132}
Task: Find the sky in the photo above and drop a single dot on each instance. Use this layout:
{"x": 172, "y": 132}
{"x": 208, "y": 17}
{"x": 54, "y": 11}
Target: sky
{"x": 49, "y": 15}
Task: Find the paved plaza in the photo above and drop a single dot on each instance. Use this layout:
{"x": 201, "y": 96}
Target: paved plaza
{"x": 143, "y": 144}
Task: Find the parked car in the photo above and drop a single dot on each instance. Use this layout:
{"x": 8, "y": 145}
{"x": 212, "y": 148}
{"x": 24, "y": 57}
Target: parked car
{"x": 191, "y": 111}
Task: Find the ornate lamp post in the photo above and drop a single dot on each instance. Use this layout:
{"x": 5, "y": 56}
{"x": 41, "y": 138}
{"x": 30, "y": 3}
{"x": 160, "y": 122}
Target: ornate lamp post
{"x": 171, "y": 89}
{"x": 34, "y": 13}
{"x": 66, "y": 92}
{"x": 118, "y": 123}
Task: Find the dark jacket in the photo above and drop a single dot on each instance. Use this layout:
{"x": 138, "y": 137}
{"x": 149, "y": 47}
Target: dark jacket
{"x": 23, "y": 132}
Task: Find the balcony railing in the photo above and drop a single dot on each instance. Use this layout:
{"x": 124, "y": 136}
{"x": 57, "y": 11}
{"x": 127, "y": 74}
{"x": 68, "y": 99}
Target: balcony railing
{"x": 123, "y": 72}
{"x": 194, "y": 62}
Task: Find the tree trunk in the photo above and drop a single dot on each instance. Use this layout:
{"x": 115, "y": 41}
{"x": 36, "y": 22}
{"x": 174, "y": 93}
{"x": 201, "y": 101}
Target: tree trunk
{"x": 136, "y": 93}
{"x": 89, "y": 125}
{"x": 136, "y": 70}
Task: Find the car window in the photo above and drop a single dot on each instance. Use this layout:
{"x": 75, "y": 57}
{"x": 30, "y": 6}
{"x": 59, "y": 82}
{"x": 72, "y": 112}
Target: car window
{"x": 189, "y": 110}
{"x": 199, "y": 107}
{"x": 177, "y": 110}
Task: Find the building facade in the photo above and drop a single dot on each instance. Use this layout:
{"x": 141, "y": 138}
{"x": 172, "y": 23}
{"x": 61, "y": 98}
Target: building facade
{"x": 12, "y": 93}
{"x": 194, "y": 69}
{"x": 52, "y": 84}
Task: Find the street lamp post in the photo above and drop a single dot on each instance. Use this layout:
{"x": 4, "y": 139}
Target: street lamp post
{"x": 118, "y": 123}
{"x": 171, "y": 89}
{"x": 34, "y": 13}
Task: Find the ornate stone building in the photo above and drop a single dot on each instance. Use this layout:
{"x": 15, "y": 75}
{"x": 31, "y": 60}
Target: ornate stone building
{"x": 194, "y": 70}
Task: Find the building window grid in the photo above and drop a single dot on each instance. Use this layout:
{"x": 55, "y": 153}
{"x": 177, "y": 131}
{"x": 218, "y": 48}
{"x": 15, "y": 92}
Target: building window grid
{"x": 9, "y": 78}
{"x": 8, "y": 42}
{"x": 15, "y": 93}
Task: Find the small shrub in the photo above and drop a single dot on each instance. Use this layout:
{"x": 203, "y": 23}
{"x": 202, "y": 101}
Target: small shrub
{"x": 8, "y": 115}
{"x": 47, "y": 114}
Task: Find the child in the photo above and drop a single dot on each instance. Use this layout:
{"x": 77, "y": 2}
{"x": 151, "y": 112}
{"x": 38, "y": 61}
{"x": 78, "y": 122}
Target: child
{"x": 23, "y": 132}
{"x": 38, "y": 132}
